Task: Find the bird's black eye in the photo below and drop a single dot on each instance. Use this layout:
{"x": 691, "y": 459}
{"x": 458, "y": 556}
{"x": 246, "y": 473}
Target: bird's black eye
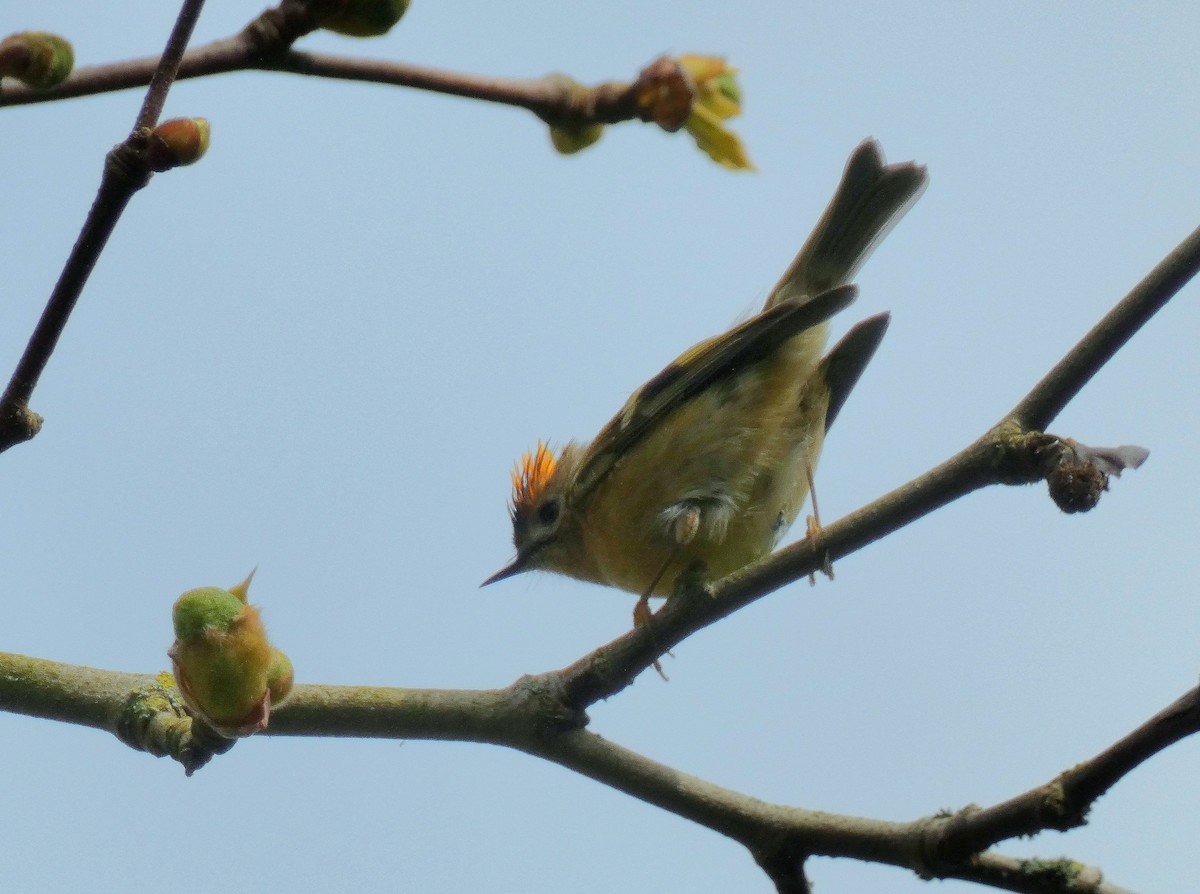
{"x": 547, "y": 513}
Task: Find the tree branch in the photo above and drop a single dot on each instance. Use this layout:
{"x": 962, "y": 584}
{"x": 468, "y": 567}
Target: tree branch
{"x": 552, "y": 98}
{"x": 1064, "y": 802}
{"x": 1034, "y": 876}
{"x": 126, "y": 170}
{"x": 1061, "y": 384}
{"x": 254, "y": 49}
{"x": 781, "y": 838}
{"x": 168, "y": 65}
{"x": 144, "y": 712}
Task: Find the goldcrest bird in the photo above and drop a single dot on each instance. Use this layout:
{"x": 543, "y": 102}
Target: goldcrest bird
{"x": 709, "y": 463}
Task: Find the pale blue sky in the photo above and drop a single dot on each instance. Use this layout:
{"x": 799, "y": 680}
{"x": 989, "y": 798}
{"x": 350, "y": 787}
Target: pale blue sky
{"x": 320, "y": 350}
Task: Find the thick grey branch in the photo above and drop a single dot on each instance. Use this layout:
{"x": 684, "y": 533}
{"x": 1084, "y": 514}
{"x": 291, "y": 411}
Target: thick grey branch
{"x": 532, "y": 716}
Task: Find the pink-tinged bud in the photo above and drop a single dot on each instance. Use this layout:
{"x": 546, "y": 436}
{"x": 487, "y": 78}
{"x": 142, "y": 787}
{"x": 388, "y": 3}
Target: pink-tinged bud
{"x": 663, "y": 93}
{"x": 178, "y": 142}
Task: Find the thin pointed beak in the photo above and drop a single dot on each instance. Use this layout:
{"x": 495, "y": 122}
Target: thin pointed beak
{"x": 515, "y": 567}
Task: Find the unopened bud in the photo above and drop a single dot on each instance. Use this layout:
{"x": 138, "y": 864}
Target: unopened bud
{"x": 36, "y": 58}
{"x": 366, "y": 18}
{"x": 227, "y": 671}
{"x": 178, "y": 142}
{"x": 280, "y": 676}
{"x": 569, "y": 139}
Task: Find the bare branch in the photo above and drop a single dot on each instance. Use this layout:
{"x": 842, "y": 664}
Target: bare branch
{"x": 550, "y": 98}
{"x": 1064, "y": 802}
{"x": 533, "y": 716}
{"x": 1047, "y": 399}
{"x": 90, "y": 80}
{"x": 126, "y": 170}
{"x": 168, "y": 65}
{"x": 1033, "y": 876}
{"x": 781, "y": 838}
{"x": 67, "y": 693}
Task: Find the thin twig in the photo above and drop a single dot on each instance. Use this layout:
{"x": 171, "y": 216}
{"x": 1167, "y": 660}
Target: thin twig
{"x": 1047, "y": 399}
{"x": 1033, "y": 876}
{"x": 125, "y": 172}
{"x": 117, "y": 187}
{"x": 533, "y": 93}
{"x": 1064, "y": 802}
{"x": 549, "y": 98}
{"x": 168, "y": 65}
{"x": 217, "y": 57}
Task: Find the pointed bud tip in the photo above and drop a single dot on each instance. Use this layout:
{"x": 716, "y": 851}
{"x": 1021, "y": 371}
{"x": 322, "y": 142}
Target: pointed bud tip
{"x": 242, "y": 590}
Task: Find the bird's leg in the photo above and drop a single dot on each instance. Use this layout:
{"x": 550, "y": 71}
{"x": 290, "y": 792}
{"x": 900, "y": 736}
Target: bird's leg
{"x": 812, "y": 526}
{"x": 685, "y": 526}
{"x": 642, "y": 614}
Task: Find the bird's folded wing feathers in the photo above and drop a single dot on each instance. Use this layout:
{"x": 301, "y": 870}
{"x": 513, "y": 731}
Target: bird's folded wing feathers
{"x": 697, "y": 370}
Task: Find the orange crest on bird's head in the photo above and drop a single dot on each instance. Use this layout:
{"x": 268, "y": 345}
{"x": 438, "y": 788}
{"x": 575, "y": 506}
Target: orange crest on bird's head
{"x": 531, "y": 474}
